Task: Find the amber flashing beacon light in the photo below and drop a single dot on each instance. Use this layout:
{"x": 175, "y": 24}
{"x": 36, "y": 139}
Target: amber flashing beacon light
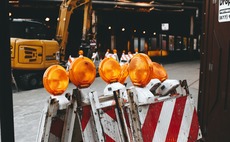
{"x": 140, "y": 70}
{"x": 82, "y": 72}
{"x": 55, "y": 80}
{"x": 159, "y": 72}
{"x": 109, "y": 70}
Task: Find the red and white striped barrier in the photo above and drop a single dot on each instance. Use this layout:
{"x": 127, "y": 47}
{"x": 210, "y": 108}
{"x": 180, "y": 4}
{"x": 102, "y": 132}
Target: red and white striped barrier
{"x": 175, "y": 119}
{"x": 121, "y": 115}
{"x": 125, "y": 58}
{"x": 85, "y": 117}
{"x": 108, "y": 115}
{"x": 94, "y": 55}
{"x": 58, "y": 123}
{"x": 110, "y": 55}
{"x": 87, "y": 124}
{"x": 70, "y": 60}
{"x": 164, "y": 120}
{"x": 54, "y": 122}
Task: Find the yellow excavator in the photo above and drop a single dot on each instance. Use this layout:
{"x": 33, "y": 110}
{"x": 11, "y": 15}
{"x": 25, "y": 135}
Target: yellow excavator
{"x": 32, "y": 53}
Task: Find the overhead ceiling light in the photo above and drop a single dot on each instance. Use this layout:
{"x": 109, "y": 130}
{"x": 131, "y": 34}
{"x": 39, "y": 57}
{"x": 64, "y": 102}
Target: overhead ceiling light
{"x": 47, "y": 19}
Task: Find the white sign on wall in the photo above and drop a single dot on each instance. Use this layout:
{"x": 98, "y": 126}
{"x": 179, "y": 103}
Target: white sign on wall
{"x": 224, "y": 11}
{"x": 165, "y": 26}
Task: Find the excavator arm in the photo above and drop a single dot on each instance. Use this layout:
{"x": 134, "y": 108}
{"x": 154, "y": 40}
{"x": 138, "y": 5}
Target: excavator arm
{"x": 66, "y": 9}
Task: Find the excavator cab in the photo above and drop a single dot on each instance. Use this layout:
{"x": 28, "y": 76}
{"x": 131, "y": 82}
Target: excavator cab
{"x": 29, "y": 29}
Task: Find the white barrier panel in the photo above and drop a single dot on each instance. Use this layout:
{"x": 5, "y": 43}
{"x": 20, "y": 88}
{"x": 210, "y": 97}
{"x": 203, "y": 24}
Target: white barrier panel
{"x": 84, "y": 113}
{"x": 54, "y": 122}
{"x": 109, "y": 115}
{"x": 110, "y": 55}
{"x": 121, "y": 115}
{"x": 125, "y": 58}
{"x": 95, "y": 56}
{"x": 67, "y": 120}
{"x": 163, "y": 120}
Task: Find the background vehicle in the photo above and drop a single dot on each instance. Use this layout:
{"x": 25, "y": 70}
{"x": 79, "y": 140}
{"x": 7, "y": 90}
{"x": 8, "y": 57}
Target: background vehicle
{"x": 32, "y": 51}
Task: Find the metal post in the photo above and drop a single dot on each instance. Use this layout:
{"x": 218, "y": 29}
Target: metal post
{"x": 6, "y": 103}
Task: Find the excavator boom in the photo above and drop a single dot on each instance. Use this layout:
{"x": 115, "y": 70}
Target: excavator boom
{"x": 66, "y": 9}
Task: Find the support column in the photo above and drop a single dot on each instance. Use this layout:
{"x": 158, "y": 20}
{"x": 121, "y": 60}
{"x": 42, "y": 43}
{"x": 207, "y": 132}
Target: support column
{"x": 191, "y": 25}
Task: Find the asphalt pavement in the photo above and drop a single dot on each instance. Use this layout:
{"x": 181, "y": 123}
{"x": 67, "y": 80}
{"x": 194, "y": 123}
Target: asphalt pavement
{"x": 28, "y": 105}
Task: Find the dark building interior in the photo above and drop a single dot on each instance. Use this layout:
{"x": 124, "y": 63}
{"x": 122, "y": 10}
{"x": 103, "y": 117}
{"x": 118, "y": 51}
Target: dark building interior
{"x": 142, "y": 21}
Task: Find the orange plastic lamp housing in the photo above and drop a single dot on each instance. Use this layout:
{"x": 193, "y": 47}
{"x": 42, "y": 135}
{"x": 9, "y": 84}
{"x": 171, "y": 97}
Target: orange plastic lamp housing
{"x": 80, "y": 52}
{"x": 82, "y": 72}
{"x": 124, "y": 73}
{"x": 159, "y": 72}
{"x": 55, "y": 80}
{"x": 140, "y": 70}
{"x": 109, "y": 70}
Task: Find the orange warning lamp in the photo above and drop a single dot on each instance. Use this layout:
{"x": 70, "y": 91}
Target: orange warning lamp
{"x": 159, "y": 72}
{"x": 109, "y": 70}
{"x": 55, "y": 80}
{"x": 80, "y": 52}
{"x": 124, "y": 73}
{"x": 114, "y": 51}
{"x": 140, "y": 70}
{"x": 82, "y": 72}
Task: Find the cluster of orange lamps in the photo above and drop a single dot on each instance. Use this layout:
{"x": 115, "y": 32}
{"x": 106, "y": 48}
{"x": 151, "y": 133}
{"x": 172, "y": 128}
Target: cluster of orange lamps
{"x": 82, "y": 73}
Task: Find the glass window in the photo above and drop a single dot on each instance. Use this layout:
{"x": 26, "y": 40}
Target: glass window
{"x": 28, "y": 29}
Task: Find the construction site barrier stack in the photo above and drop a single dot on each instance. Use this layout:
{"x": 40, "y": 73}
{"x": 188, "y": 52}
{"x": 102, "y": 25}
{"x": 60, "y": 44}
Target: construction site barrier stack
{"x": 112, "y": 55}
{"x": 152, "y": 109}
{"x": 125, "y": 58}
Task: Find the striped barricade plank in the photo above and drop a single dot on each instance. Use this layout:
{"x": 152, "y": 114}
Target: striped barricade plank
{"x": 84, "y": 115}
{"x": 109, "y": 116}
{"x": 106, "y": 118}
{"x": 172, "y": 120}
{"x": 87, "y": 124}
{"x": 53, "y": 124}
{"x": 110, "y": 55}
{"x": 110, "y": 124}
{"x": 125, "y": 58}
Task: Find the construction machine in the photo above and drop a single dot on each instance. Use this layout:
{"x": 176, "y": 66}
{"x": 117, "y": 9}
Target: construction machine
{"x": 66, "y": 10}
{"x": 32, "y": 53}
